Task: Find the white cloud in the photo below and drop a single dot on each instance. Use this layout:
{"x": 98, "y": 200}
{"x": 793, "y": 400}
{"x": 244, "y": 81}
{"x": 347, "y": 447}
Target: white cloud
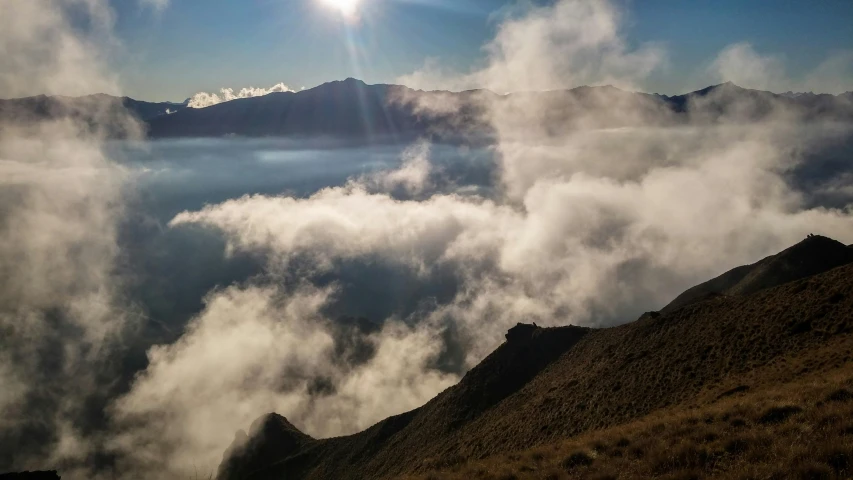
{"x": 588, "y": 225}
{"x": 741, "y": 64}
{"x": 579, "y": 247}
{"x": 38, "y": 42}
{"x": 571, "y": 43}
{"x": 412, "y": 177}
{"x": 259, "y": 349}
{"x": 204, "y": 99}
{"x": 60, "y": 300}
{"x": 585, "y": 225}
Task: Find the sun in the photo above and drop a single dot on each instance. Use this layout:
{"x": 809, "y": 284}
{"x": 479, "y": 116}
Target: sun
{"x": 346, "y": 7}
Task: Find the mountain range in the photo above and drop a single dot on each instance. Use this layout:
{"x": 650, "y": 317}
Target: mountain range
{"x": 44, "y": 107}
{"x": 353, "y": 109}
{"x": 729, "y": 375}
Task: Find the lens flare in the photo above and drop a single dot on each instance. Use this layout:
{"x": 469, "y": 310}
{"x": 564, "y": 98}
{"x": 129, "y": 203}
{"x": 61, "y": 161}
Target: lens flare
{"x": 346, "y": 7}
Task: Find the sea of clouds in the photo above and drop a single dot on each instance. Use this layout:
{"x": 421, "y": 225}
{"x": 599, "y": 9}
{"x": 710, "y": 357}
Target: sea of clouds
{"x": 585, "y": 226}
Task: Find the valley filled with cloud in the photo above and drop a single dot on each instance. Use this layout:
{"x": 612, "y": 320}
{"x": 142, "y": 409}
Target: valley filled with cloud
{"x": 160, "y": 295}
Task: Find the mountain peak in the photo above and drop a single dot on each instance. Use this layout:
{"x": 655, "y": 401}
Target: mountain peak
{"x": 275, "y": 422}
{"x": 349, "y": 82}
{"x": 271, "y": 437}
{"x": 346, "y": 84}
{"x": 727, "y": 85}
{"x": 815, "y": 254}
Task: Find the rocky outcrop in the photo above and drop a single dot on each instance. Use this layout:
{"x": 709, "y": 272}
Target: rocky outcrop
{"x": 521, "y": 331}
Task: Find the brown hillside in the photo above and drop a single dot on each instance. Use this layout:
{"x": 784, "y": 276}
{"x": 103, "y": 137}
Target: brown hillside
{"x": 814, "y": 255}
{"x": 791, "y": 419}
{"x": 554, "y": 384}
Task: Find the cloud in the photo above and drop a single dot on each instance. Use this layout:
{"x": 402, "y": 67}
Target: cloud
{"x": 413, "y": 177}
{"x": 581, "y": 246}
{"x": 834, "y": 74}
{"x": 38, "y": 42}
{"x": 568, "y": 44}
{"x": 204, "y": 99}
{"x": 742, "y": 64}
{"x": 581, "y": 224}
{"x": 584, "y": 225}
{"x": 61, "y": 303}
{"x": 261, "y": 349}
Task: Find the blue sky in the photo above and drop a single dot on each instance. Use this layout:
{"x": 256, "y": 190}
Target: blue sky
{"x": 203, "y": 45}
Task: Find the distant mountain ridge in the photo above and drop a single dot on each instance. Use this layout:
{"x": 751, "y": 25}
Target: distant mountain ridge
{"x": 353, "y": 109}
{"x": 547, "y": 384}
{"x": 43, "y": 107}
{"x": 347, "y": 108}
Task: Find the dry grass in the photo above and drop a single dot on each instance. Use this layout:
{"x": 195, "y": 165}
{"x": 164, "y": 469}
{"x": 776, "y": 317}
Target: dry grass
{"x": 802, "y": 429}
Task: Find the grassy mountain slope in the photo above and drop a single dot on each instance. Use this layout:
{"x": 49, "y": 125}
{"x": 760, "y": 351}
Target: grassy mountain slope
{"x": 556, "y": 384}
{"x": 788, "y": 419}
{"x": 816, "y": 254}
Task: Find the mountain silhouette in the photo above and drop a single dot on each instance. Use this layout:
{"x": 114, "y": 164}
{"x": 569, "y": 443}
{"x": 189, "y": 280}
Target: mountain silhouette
{"x": 271, "y": 437}
{"x": 352, "y": 109}
{"x": 89, "y": 108}
{"x": 347, "y": 108}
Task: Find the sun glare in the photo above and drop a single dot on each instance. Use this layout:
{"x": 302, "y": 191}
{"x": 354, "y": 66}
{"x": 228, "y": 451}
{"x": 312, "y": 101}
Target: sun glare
{"x": 345, "y": 7}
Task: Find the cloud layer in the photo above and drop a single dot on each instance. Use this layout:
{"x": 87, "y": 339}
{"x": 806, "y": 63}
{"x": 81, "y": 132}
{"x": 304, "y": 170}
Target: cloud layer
{"x": 61, "y": 305}
{"x": 588, "y": 226}
{"x": 545, "y": 48}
